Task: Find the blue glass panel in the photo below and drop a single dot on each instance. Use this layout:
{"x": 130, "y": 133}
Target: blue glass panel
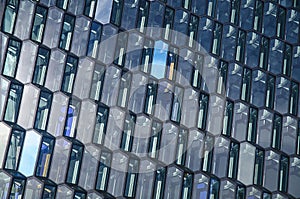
{"x": 44, "y": 159}
{"x": 159, "y": 59}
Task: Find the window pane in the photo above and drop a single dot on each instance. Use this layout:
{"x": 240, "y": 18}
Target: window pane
{"x": 43, "y": 111}
{"x": 103, "y": 171}
{"x": 67, "y": 32}
{"x": 14, "y": 151}
{"x": 41, "y": 65}
{"x": 10, "y": 16}
{"x": 116, "y": 13}
{"x": 124, "y": 89}
{"x": 72, "y": 118}
{"x": 13, "y": 103}
{"x": 101, "y": 124}
{"x": 150, "y": 97}
{"x": 128, "y": 132}
{"x": 74, "y": 164}
{"x": 62, "y": 4}
{"x": 131, "y": 178}
{"x": 39, "y": 24}
{"x": 69, "y": 74}
{"x": 89, "y": 8}
{"x": 97, "y": 82}
{"x": 12, "y": 58}
{"x": 159, "y": 59}
{"x": 94, "y": 40}
{"x": 46, "y": 150}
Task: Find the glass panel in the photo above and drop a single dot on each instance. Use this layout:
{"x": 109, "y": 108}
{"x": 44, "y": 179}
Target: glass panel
{"x": 147, "y": 56}
{"x": 270, "y": 93}
{"x": 41, "y": 65}
{"x": 258, "y": 15}
{"x": 12, "y": 58}
{"x": 182, "y": 142}
{"x": 168, "y": 23}
{"x": 4, "y": 184}
{"x": 89, "y": 8}
{"x": 97, "y": 82}
{"x": 203, "y": 110}
{"x": 17, "y": 188}
{"x": 246, "y": 85}
{"x": 150, "y": 100}
{"x": 69, "y": 74}
{"x": 128, "y": 132}
{"x": 13, "y": 103}
{"x": 294, "y": 98}
{"x": 74, "y": 164}
{"x": 72, "y": 118}
{"x": 264, "y": 52}
{"x": 43, "y": 110}
{"x": 258, "y": 167}
{"x": 173, "y": 183}
{"x": 101, "y": 124}
{"x": 177, "y": 104}
{"x": 120, "y": 50}
{"x": 67, "y": 32}
{"x": 233, "y": 160}
{"x": 154, "y": 143}
{"x": 45, "y": 155}
{"x": 207, "y": 153}
{"x": 131, "y": 178}
{"x": 240, "y": 47}
{"x": 216, "y": 46}
{"x": 142, "y": 18}
{"x": 283, "y": 173}
{"x": 15, "y": 149}
{"x": 171, "y": 64}
{"x": 197, "y": 70}
{"x": 10, "y": 16}
{"x": 62, "y": 4}
{"x": 276, "y": 133}
{"x": 103, "y": 171}
{"x": 39, "y": 24}
{"x": 252, "y": 125}
{"x": 116, "y": 13}
{"x": 159, "y": 184}
{"x": 94, "y": 39}
{"x": 228, "y": 117}
{"x": 214, "y": 188}
{"x": 29, "y": 153}
{"x": 187, "y": 186}
{"x": 124, "y": 89}
{"x": 49, "y": 192}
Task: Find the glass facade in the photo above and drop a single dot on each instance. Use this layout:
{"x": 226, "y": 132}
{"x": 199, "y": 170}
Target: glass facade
{"x": 149, "y": 99}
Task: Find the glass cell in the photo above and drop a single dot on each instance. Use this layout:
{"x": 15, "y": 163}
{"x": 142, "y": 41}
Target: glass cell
{"x": 142, "y": 16}
{"x": 29, "y": 153}
{"x": 201, "y": 186}
{"x": 159, "y": 184}
{"x": 264, "y": 53}
{"x": 258, "y": 167}
{"x": 147, "y": 56}
{"x": 258, "y": 16}
{"x": 62, "y": 4}
{"x": 45, "y": 155}
{"x": 240, "y": 46}
{"x": 252, "y": 125}
{"x": 168, "y": 22}
{"x": 116, "y": 13}
{"x": 180, "y": 27}
{"x": 9, "y": 18}
{"x": 129, "y": 16}
{"x": 292, "y": 25}
{"x": 294, "y": 98}
{"x": 151, "y": 93}
{"x": 253, "y": 41}
{"x": 4, "y": 184}
{"x": 229, "y": 39}
{"x": 217, "y": 36}
{"x": 33, "y": 189}
{"x": 203, "y": 110}
{"x": 271, "y": 170}
{"x": 234, "y": 81}
{"x": 17, "y": 188}
{"x": 131, "y": 178}
{"x": 182, "y": 142}
{"x": 177, "y": 104}
{"x": 233, "y": 160}
{"x": 171, "y": 64}
{"x": 15, "y": 149}
{"x": 94, "y": 39}
{"x": 12, "y": 58}
{"x": 207, "y": 153}
{"x": 276, "y": 56}
{"x": 101, "y": 124}
{"x": 294, "y": 177}
{"x": 89, "y": 8}
{"x": 246, "y": 163}
{"x": 39, "y": 24}
{"x": 220, "y": 163}
{"x": 41, "y": 65}
{"x": 270, "y": 15}
{"x": 228, "y": 118}
{"x": 128, "y": 132}
{"x": 247, "y": 14}
{"x": 67, "y": 32}
{"x": 270, "y": 92}
{"x": 283, "y": 173}
{"x": 173, "y": 183}
{"x": 69, "y": 74}
{"x": 246, "y": 85}
{"x": 72, "y": 118}
{"x": 124, "y": 89}
{"x": 154, "y": 20}
{"x": 13, "y": 102}
{"x": 214, "y": 188}
{"x": 103, "y": 171}
{"x": 43, "y": 110}
{"x": 120, "y": 50}
{"x": 97, "y": 82}
{"x": 155, "y": 139}
{"x": 74, "y": 164}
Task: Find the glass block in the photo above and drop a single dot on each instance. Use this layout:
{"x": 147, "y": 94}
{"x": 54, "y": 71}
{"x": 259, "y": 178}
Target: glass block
{"x": 163, "y": 101}
{"x": 4, "y": 184}
{"x": 180, "y": 27}
{"x": 282, "y": 94}
{"x": 159, "y": 59}
{"x": 94, "y": 40}
{"x": 270, "y": 14}
{"x": 26, "y": 62}
{"x": 221, "y": 151}
{"x": 294, "y": 176}
{"x": 9, "y": 17}
{"x": 76, "y": 7}
{"x": 64, "y": 192}
{"x": 194, "y": 150}
{"x": 118, "y": 174}
{"x": 168, "y": 143}
{"x": 29, "y": 153}
{"x": 28, "y": 106}
{"x": 185, "y": 67}
{"x": 292, "y": 25}
{"x": 214, "y": 118}
{"x": 12, "y": 58}
{"x": 173, "y": 183}
{"x": 115, "y": 124}
{"x": 4, "y": 91}
{"x": 89, "y": 165}
{"x": 39, "y": 23}
{"x": 4, "y": 142}
{"x": 246, "y": 163}
{"x": 201, "y": 186}
{"x": 271, "y": 170}
{"x": 240, "y": 121}
{"x": 130, "y": 8}
{"x": 111, "y": 84}
{"x": 55, "y": 70}
{"x": 137, "y": 93}
{"x": 189, "y": 113}
{"x": 85, "y": 129}
{"x": 81, "y": 36}
{"x": 53, "y": 25}
{"x": 155, "y": 19}
{"x": 67, "y": 32}
{"x": 33, "y": 189}
{"x": 258, "y": 88}
{"x": 103, "y": 11}
{"x": 234, "y": 81}
{"x": 289, "y": 135}
{"x": 58, "y": 113}
{"x": 227, "y": 189}
{"x": 265, "y": 122}
{"x": 13, "y": 102}
{"x": 141, "y": 136}
{"x": 61, "y": 154}
{"x": 146, "y": 179}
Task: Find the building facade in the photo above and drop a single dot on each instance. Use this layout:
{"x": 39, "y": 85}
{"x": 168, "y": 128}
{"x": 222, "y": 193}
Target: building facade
{"x": 150, "y": 99}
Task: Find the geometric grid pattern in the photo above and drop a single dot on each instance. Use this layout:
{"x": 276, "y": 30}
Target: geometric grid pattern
{"x": 150, "y": 99}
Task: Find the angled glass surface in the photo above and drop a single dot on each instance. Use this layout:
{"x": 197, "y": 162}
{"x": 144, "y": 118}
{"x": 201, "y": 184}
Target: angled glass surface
{"x": 12, "y": 58}
{"x": 67, "y": 31}
{"x": 39, "y": 24}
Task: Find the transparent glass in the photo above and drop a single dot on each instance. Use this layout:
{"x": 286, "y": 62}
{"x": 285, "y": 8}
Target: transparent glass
{"x": 12, "y": 58}
{"x": 41, "y": 65}
{"x": 13, "y": 102}
{"x": 67, "y": 32}
{"x": 39, "y": 24}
